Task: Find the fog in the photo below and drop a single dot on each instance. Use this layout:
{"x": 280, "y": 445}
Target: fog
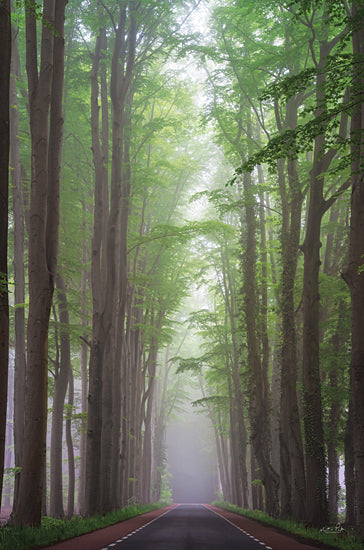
{"x": 192, "y": 459}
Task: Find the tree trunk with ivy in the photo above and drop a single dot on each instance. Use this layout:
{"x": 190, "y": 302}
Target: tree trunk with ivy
{"x": 292, "y": 469}
{"x": 354, "y": 275}
{"x": 258, "y": 381}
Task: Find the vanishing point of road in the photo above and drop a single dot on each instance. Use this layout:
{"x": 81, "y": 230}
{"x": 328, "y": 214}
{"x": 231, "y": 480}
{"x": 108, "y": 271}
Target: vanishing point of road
{"x": 185, "y": 527}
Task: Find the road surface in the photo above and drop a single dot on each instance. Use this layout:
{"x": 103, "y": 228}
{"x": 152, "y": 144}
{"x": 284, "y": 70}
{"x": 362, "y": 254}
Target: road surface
{"x": 185, "y": 527}
{"x": 188, "y": 527}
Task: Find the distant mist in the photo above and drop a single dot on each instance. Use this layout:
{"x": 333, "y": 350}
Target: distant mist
{"x": 192, "y": 459}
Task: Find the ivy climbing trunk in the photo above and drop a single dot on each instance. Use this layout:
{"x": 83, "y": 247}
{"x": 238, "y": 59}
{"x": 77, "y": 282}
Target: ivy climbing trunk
{"x": 354, "y": 275}
{"x": 258, "y": 381}
{"x": 238, "y": 399}
{"x": 292, "y": 470}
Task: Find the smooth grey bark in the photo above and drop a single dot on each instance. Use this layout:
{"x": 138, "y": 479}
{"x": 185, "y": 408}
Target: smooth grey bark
{"x": 19, "y": 268}
{"x": 70, "y": 449}
{"x": 91, "y": 504}
{"x": 62, "y": 376}
{"x": 5, "y": 59}
{"x": 43, "y": 241}
{"x": 84, "y": 386}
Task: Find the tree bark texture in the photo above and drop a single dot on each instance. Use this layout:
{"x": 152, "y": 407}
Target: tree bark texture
{"x": 292, "y": 470}
{"x": 316, "y": 498}
{"x": 148, "y": 399}
{"x": 121, "y": 76}
{"x": 94, "y": 417}
{"x": 60, "y": 389}
{"x": 350, "y": 518}
{"x": 5, "y": 59}
{"x": 84, "y": 387}
{"x": 19, "y": 269}
{"x": 43, "y": 243}
{"x": 240, "y": 432}
{"x": 258, "y": 381}
{"x": 354, "y": 275}
{"x": 70, "y": 449}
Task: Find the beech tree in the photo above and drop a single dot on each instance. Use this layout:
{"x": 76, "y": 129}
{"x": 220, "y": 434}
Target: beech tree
{"x": 45, "y": 95}
{"x": 5, "y": 57}
{"x": 18, "y": 263}
{"x": 354, "y": 274}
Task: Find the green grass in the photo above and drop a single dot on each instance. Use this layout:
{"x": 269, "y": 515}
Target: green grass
{"x": 343, "y": 541}
{"x": 54, "y": 530}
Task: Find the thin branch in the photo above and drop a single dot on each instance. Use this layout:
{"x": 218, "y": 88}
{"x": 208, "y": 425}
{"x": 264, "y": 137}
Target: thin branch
{"x": 84, "y": 339}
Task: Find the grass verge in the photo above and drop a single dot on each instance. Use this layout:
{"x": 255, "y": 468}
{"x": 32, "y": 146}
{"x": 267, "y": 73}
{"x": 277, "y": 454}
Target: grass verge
{"x": 345, "y": 540}
{"x": 54, "y": 530}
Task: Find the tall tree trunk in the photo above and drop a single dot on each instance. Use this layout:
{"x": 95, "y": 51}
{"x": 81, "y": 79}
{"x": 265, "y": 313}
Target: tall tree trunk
{"x": 149, "y": 399}
{"x": 43, "y": 241}
{"x": 125, "y": 422}
{"x": 19, "y": 269}
{"x": 241, "y": 432}
{"x": 70, "y": 450}
{"x": 292, "y": 469}
{"x": 159, "y": 454}
{"x": 258, "y": 381}
{"x": 60, "y": 389}
{"x": 316, "y": 499}
{"x": 8, "y": 461}
{"x": 5, "y": 59}
{"x": 121, "y": 74}
{"x": 225, "y": 465}
{"x": 350, "y": 518}
{"x": 275, "y": 390}
{"x": 332, "y": 443}
{"x": 354, "y": 275}
{"x": 135, "y": 405}
{"x": 93, "y": 441}
{"x": 84, "y": 387}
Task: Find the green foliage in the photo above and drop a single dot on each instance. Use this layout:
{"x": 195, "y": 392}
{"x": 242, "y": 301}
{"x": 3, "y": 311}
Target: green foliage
{"x": 341, "y": 540}
{"x": 211, "y": 399}
{"x": 54, "y": 530}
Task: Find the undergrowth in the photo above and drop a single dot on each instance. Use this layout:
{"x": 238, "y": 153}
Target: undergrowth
{"x": 343, "y": 540}
{"x": 54, "y": 530}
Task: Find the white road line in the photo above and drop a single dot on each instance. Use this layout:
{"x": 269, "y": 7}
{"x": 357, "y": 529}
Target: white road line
{"x": 236, "y": 527}
{"x": 140, "y": 528}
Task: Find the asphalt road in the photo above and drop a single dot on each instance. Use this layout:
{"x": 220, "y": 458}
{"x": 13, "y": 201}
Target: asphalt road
{"x": 188, "y": 527}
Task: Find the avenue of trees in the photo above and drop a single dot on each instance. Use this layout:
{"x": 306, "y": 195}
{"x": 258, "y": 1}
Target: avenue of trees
{"x": 155, "y": 150}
